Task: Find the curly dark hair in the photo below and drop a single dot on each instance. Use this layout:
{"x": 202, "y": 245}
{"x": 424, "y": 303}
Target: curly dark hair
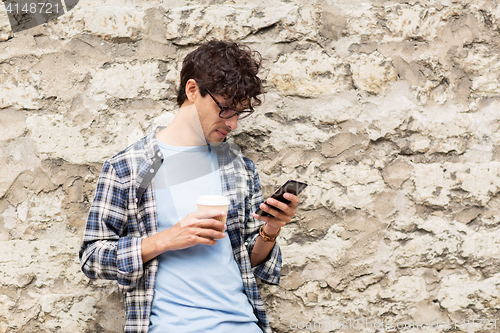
{"x": 225, "y": 68}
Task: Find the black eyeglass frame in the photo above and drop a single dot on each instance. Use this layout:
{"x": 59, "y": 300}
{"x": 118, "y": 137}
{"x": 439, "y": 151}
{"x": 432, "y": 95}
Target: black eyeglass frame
{"x": 240, "y": 114}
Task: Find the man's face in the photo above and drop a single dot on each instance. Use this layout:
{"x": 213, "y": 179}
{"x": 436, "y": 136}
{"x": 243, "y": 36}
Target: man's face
{"x": 215, "y": 129}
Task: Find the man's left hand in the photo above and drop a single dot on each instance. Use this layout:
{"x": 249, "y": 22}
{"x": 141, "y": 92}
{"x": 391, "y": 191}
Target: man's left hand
{"x": 278, "y": 218}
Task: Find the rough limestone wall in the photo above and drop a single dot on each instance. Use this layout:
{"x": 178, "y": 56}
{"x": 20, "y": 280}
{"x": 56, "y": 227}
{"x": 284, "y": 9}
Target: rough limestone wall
{"x": 388, "y": 109}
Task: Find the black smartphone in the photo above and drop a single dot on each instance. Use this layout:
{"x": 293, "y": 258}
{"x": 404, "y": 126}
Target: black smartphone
{"x": 291, "y": 186}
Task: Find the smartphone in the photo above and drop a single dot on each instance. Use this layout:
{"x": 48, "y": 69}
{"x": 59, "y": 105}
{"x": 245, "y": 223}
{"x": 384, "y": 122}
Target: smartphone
{"x": 291, "y": 186}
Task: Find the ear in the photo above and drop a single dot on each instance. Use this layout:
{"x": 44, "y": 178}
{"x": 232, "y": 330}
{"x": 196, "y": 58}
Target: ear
{"x": 192, "y": 90}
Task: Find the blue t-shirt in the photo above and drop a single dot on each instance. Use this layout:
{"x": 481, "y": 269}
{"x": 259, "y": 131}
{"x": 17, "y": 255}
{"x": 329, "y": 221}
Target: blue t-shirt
{"x": 198, "y": 289}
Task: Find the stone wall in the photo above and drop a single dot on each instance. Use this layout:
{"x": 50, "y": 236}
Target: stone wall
{"x": 388, "y": 109}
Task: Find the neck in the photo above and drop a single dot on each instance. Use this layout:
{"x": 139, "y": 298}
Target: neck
{"x": 185, "y": 130}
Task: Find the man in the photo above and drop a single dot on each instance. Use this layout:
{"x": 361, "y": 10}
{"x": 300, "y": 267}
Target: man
{"x": 178, "y": 270}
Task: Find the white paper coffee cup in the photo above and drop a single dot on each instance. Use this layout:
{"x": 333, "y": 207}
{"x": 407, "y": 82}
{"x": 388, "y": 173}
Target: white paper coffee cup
{"x": 217, "y": 202}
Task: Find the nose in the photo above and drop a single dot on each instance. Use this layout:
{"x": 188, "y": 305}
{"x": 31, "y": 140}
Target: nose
{"x": 232, "y": 123}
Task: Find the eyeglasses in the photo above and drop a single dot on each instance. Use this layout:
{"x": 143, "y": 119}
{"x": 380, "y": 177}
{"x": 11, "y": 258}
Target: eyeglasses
{"x": 226, "y": 113}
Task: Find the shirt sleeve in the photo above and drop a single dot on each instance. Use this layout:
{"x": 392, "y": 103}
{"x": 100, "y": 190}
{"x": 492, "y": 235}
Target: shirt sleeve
{"x": 269, "y": 270}
{"x": 107, "y": 252}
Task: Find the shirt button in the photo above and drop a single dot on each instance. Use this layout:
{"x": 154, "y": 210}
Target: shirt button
{"x": 152, "y": 170}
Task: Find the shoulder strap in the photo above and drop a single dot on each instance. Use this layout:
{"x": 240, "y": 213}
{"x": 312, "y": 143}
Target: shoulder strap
{"x": 156, "y": 160}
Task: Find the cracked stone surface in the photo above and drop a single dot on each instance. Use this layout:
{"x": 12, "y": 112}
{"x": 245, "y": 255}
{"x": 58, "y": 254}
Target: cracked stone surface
{"x": 387, "y": 109}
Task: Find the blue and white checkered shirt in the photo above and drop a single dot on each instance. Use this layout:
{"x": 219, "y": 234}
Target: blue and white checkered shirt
{"x": 118, "y": 221}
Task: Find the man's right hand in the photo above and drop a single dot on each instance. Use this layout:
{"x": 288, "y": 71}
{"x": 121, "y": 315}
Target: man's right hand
{"x": 196, "y": 228}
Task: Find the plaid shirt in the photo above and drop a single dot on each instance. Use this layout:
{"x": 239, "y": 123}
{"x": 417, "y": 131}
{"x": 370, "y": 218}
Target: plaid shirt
{"x": 117, "y": 223}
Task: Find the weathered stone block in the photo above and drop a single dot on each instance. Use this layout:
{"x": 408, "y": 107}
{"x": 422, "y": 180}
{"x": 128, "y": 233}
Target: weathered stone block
{"x": 483, "y": 246}
{"x": 468, "y": 214}
{"x": 340, "y": 143}
{"x": 426, "y": 311}
{"x": 459, "y": 291}
{"x": 194, "y": 24}
{"x": 115, "y": 23}
{"x": 445, "y": 122}
{"x": 5, "y": 28}
{"x": 18, "y": 87}
{"x": 384, "y": 203}
{"x": 291, "y": 281}
{"x": 333, "y": 22}
{"x": 60, "y": 74}
{"x": 372, "y": 73}
{"x": 341, "y": 186}
{"x": 330, "y": 248}
{"x": 362, "y": 20}
{"x": 404, "y": 289}
{"x": 16, "y": 156}
{"x": 12, "y": 123}
{"x": 56, "y": 136}
{"x": 407, "y": 21}
{"x": 450, "y": 178}
{"x": 302, "y": 136}
{"x": 310, "y": 74}
{"x": 483, "y": 65}
{"x": 397, "y": 172}
{"x": 130, "y": 81}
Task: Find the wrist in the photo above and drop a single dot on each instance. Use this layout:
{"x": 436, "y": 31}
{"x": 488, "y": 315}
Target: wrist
{"x": 269, "y": 229}
{"x": 268, "y": 237}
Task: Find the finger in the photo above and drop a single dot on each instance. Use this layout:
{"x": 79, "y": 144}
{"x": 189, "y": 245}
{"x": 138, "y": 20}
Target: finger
{"x": 294, "y": 200}
{"x": 211, "y": 224}
{"x": 210, "y": 233}
{"x": 277, "y": 204}
{"x": 270, "y": 220}
{"x": 280, "y": 208}
{"x": 261, "y": 218}
{"x": 282, "y": 216}
{"x": 205, "y": 241}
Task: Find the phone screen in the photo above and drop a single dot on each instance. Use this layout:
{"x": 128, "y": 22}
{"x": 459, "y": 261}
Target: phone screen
{"x": 291, "y": 186}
